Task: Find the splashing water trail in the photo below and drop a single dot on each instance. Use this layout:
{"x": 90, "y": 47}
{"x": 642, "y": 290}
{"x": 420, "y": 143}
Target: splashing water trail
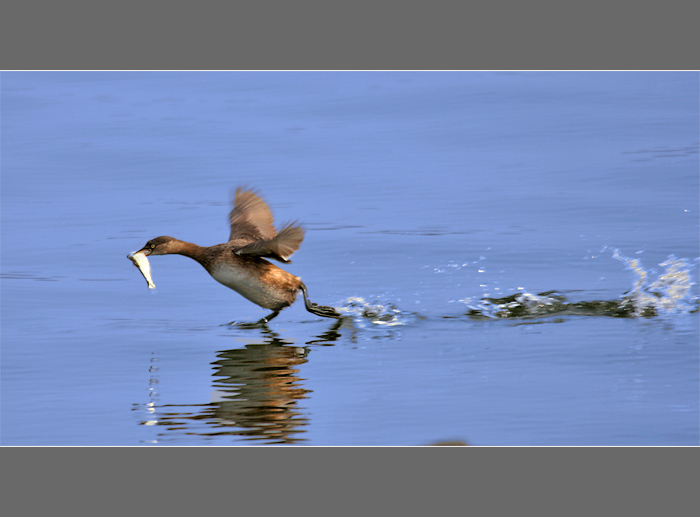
{"x": 669, "y": 294}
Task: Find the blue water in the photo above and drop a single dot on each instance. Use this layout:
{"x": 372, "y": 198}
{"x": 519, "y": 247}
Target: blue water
{"x": 422, "y": 194}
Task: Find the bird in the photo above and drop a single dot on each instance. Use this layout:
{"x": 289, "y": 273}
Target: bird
{"x": 240, "y": 264}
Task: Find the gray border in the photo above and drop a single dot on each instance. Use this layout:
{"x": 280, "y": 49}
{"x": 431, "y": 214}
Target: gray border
{"x": 322, "y": 36}
{"x": 349, "y": 480}
{"x": 124, "y": 37}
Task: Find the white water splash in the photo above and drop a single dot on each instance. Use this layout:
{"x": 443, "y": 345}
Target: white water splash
{"x": 670, "y": 293}
{"x": 374, "y": 313}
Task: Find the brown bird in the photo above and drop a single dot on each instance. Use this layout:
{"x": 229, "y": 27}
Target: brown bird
{"x": 240, "y": 263}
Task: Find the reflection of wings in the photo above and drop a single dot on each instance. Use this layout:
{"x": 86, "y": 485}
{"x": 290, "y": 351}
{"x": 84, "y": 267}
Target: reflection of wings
{"x": 252, "y": 232}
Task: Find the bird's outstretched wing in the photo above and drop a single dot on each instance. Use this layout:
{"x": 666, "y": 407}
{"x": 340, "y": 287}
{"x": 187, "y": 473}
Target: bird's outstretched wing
{"x": 252, "y": 232}
{"x": 250, "y": 219}
{"x": 280, "y": 247}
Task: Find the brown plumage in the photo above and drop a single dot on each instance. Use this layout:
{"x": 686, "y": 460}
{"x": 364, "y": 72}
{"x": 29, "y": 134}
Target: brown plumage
{"x": 252, "y": 232}
{"x": 240, "y": 263}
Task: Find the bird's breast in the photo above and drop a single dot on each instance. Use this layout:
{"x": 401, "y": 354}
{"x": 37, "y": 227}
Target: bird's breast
{"x": 263, "y": 284}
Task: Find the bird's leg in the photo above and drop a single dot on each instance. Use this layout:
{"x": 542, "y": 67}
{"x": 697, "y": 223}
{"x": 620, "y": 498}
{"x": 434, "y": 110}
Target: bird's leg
{"x": 268, "y": 318}
{"x": 261, "y": 323}
{"x": 318, "y": 310}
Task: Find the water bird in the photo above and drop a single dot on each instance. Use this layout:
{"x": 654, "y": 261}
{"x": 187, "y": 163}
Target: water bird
{"x": 240, "y": 263}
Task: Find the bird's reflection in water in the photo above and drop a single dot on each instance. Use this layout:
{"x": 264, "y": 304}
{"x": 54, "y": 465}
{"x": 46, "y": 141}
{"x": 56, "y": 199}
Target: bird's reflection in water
{"x": 256, "y": 393}
{"x": 257, "y": 389}
{"x": 331, "y": 335}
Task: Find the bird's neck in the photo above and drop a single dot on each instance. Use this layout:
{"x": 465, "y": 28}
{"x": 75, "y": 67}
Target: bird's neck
{"x": 187, "y": 249}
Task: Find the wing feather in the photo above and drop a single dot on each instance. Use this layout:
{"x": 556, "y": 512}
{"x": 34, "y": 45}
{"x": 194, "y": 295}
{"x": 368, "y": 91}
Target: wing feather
{"x": 250, "y": 218}
{"x": 280, "y": 247}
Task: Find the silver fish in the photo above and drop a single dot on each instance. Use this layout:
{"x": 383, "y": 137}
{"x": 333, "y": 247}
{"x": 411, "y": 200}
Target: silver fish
{"x": 141, "y": 262}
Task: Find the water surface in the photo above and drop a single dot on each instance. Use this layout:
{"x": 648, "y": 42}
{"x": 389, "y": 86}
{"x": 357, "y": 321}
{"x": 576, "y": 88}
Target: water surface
{"x": 459, "y": 220}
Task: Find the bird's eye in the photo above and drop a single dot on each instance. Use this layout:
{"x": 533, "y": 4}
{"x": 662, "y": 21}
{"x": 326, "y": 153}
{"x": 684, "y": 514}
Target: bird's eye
{"x": 153, "y": 246}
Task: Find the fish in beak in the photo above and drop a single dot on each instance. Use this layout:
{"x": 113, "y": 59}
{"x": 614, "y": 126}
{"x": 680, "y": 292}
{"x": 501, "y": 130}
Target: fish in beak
{"x": 140, "y": 260}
